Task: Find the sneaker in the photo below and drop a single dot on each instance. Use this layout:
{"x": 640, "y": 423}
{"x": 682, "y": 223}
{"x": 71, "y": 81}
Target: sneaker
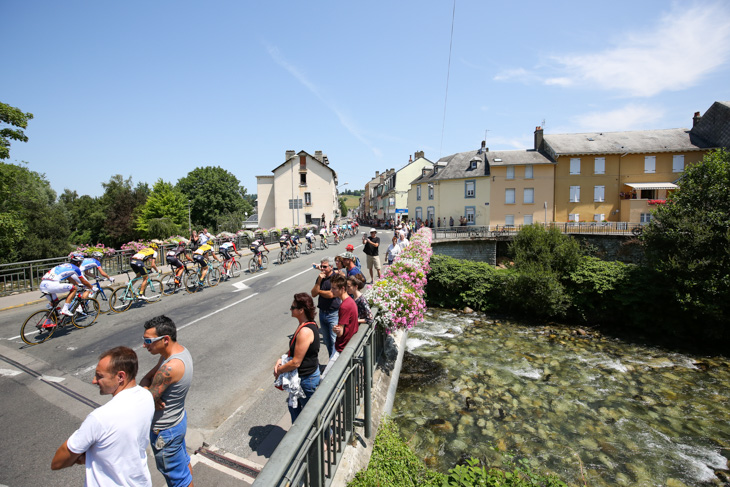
{"x": 80, "y": 311}
{"x": 65, "y": 311}
{"x": 142, "y": 297}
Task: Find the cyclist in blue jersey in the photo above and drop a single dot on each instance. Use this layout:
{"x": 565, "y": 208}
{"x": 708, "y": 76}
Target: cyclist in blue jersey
{"x": 52, "y": 282}
{"x": 89, "y": 265}
{"x": 294, "y": 241}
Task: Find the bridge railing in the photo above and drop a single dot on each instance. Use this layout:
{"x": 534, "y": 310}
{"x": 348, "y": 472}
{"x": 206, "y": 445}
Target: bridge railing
{"x": 329, "y": 418}
{"x": 494, "y": 231}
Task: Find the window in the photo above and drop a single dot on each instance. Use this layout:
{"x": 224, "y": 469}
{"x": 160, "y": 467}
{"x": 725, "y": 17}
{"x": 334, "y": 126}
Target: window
{"x": 419, "y": 213}
{"x": 600, "y": 166}
{"x": 528, "y": 171}
{"x": 470, "y": 212}
{"x": 648, "y": 194}
{"x": 418, "y": 192}
{"x": 528, "y": 219}
{"x": 430, "y": 191}
{"x": 575, "y": 165}
{"x": 303, "y": 179}
{"x": 473, "y": 165}
{"x": 510, "y": 172}
{"x": 509, "y": 196}
{"x": 677, "y": 163}
{"x": 599, "y": 217}
{"x": 598, "y": 193}
{"x": 469, "y": 189}
{"x": 302, "y": 163}
{"x": 649, "y": 164}
{"x": 575, "y": 194}
{"x": 645, "y": 218}
{"x": 528, "y": 196}
{"x": 573, "y": 217}
{"x": 509, "y": 220}
{"x": 308, "y": 199}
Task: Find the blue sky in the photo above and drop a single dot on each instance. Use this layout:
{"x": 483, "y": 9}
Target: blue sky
{"x": 154, "y": 89}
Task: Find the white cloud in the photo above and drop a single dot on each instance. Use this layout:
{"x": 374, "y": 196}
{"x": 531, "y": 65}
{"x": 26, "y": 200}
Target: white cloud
{"x": 344, "y": 120}
{"x": 559, "y": 82}
{"x": 629, "y": 117}
{"x": 517, "y": 74}
{"x": 685, "y": 45}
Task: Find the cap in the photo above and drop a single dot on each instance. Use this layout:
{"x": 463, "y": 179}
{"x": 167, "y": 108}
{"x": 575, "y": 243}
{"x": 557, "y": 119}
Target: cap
{"x": 372, "y": 230}
{"x": 347, "y": 255}
{"x": 350, "y": 248}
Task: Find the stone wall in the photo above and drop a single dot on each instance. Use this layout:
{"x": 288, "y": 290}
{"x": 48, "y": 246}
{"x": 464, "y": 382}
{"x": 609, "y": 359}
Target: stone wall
{"x": 475, "y": 250}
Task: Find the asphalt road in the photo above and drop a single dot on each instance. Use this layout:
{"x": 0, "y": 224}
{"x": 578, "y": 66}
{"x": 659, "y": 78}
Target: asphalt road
{"x": 235, "y": 332}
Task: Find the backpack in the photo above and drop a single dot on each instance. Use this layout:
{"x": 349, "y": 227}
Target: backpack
{"x": 357, "y": 264}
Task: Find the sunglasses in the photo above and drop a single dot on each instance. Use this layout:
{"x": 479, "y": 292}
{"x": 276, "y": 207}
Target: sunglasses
{"x": 150, "y": 341}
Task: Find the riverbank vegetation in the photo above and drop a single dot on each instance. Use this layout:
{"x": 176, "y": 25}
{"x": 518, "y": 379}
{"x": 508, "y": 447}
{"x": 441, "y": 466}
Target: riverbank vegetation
{"x": 394, "y": 464}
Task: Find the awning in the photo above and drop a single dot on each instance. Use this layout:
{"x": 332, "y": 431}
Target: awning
{"x": 641, "y": 186}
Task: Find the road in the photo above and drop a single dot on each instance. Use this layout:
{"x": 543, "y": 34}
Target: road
{"x": 235, "y": 332}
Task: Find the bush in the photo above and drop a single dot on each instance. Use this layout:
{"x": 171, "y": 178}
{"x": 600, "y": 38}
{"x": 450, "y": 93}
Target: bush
{"x": 595, "y": 285}
{"x": 536, "y": 292}
{"x": 537, "y": 247}
{"x": 454, "y": 283}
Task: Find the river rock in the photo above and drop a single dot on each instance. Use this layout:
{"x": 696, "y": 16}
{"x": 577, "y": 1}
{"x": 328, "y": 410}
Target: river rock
{"x": 468, "y": 310}
{"x": 441, "y": 425}
{"x": 458, "y": 445}
{"x": 581, "y": 332}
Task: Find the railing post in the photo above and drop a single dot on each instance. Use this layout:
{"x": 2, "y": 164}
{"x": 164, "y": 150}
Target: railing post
{"x": 367, "y": 351}
{"x": 31, "y": 277}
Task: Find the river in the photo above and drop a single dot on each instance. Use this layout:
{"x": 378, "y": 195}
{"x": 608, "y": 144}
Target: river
{"x": 592, "y": 409}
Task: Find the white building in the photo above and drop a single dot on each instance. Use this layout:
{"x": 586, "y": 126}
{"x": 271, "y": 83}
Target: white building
{"x": 302, "y": 190}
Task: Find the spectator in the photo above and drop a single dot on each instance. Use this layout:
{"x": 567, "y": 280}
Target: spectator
{"x": 371, "y": 250}
{"x": 348, "y": 260}
{"x": 112, "y": 440}
{"x": 438, "y": 222}
{"x": 169, "y": 382}
{"x": 347, "y": 320}
{"x": 393, "y": 251}
{"x": 303, "y": 350}
{"x": 451, "y": 221}
{"x": 328, "y": 304}
{"x": 340, "y": 265}
{"x": 194, "y": 241}
{"x": 403, "y": 242}
{"x": 204, "y": 236}
{"x": 355, "y": 284}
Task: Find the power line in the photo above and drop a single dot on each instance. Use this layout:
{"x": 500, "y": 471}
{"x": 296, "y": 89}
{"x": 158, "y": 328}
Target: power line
{"x": 448, "y": 72}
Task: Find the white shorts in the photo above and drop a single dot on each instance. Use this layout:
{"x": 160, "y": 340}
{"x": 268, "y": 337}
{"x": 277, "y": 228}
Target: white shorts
{"x": 55, "y": 287}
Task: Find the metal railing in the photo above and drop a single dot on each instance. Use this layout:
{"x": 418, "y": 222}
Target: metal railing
{"x": 495, "y": 231}
{"x": 329, "y": 418}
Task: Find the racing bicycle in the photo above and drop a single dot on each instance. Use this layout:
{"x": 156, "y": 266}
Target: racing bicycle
{"x": 41, "y": 325}
{"x": 124, "y": 296}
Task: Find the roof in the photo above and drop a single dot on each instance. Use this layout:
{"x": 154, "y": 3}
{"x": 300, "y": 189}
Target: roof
{"x": 310, "y": 155}
{"x": 515, "y": 157}
{"x": 714, "y": 125}
{"x": 638, "y": 141}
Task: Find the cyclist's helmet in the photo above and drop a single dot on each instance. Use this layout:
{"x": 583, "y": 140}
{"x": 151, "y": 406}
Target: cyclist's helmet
{"x": 97, "y": 255}
{"x": 153, "y": 246}
{"x": 76, "y": 258}
{"x": 181, "y": 243}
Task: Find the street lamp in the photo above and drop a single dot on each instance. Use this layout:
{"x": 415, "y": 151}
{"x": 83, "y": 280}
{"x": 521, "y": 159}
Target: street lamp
{"x": 190, "y": 227}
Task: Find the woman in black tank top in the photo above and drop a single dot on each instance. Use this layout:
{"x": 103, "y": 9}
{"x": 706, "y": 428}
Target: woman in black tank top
{"x": 304, "y": 350}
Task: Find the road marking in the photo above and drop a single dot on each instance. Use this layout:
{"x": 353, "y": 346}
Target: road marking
{"x": 239, "y": 287}
{"x": 9, "y": 373}
{"x": 295, "y": 275}
{"x": 216, "y": 312}
{"x": 254, "y": 277}
{"x": 50, "y": 378}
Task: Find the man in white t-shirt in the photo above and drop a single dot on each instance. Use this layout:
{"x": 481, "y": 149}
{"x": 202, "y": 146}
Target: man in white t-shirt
{"x": 113, "y": 439}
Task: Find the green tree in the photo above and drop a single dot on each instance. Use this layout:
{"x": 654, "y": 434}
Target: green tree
{"x": 15, "y": 117}
{"x": 213, "y": 192}
{"x": 86, "y": 216}
{"x": 546, "y": 249}
{"x": 343, "y": 207}
{"x": 120, "y": 202}
{"x": 164, "y": 214}
{"x": 688, "y": 241}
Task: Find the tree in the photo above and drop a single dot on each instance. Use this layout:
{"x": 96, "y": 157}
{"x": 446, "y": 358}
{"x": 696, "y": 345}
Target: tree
{"x": 546, "y": 249}
{"x": 165, "y": 213}
{"x": 688, "y": 240}
{"x": 213, "y": 192}
{"x": 12, "y": 116}
{"x": 343, "y": 207}
{"x": 120, "y": 201}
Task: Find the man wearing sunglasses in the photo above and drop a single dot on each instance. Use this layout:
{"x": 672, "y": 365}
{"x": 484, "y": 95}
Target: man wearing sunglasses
{"x": 328, "y": 304}
{"x": 169, "y": 382}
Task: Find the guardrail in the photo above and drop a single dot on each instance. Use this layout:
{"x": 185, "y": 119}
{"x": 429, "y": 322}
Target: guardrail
{"x": 329, "y": 418}
{"x": 582, "y": 228}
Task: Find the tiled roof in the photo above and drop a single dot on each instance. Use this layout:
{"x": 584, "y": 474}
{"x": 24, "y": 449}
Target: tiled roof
{"x": 714, "y": 126}
{"x": 638, "y": 141}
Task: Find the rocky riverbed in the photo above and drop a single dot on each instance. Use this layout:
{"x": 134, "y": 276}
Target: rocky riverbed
{"x": 594, "y": 410}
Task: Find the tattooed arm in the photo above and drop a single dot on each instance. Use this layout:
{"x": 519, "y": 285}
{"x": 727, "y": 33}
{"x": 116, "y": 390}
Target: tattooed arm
{"x": 161, "y": 377}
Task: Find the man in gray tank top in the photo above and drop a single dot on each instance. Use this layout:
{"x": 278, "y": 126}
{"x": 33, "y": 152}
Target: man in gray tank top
{"x": 169, "y": 382}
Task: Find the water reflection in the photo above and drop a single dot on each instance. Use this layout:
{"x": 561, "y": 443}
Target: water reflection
{"x": 582, "y": 406}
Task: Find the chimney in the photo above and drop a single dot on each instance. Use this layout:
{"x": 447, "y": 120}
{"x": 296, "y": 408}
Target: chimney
{"x": 318, "y": 155}
{"x": 377, "y": 173}
{"x": 484, "y": 147}
{"x": 418, "y": 154}
{"x": 289, "y": 154}
{"x": 538, "y": 138}
{"x": 410, "y": 159}
{"x": 696, "y": 119}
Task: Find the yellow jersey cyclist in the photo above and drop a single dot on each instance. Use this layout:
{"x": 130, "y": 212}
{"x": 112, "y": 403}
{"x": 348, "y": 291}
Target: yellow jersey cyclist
{"x": 256, "y": 246}
{"x": 138, "y": 263}
{"x": 200, "y": 256}
{"x": 52, "y": 282}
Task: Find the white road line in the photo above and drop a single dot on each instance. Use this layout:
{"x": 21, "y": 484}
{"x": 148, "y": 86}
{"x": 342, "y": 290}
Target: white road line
{"x": 295, "y": 275}
{"x": 240, "y": 286}
{"x": 216, "y": 312}
{"x": 9, "y": 373}
{"x": 50, "y": 378}
{"x": 254, "y": 277}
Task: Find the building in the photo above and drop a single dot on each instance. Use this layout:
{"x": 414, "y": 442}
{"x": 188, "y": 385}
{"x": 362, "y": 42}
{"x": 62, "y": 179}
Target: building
{"x": 395, "y": 195}
{"x": 302, "y": 190}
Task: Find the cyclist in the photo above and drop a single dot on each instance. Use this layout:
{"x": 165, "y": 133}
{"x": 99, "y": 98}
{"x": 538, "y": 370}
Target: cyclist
{"x": 285, "y": 241}
{"x": 310, "y": 237}
{"x": 255, "y": 247}
{"x": 138, "y": 264}
{"x": 323, "y": 234}
{"x": 51, "y": 282}
{"x": 294, "y": 239}
{"x": 173, "y": 258}
{"x": 200, "y": 257}
{"x": 88, "y": 265}
{"x": 225, "y": 248}
{"x": 335, "y": 231}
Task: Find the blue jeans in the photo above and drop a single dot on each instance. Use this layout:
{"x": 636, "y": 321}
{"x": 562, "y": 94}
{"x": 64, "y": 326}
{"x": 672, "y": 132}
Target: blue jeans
{"x": 327, "y": 323}
{"x": 171, "y": 457}
{"x": 309, "y": 385}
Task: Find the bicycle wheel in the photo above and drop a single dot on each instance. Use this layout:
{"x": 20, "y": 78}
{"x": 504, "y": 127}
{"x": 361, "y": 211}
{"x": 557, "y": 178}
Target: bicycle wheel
{"x": 264, "y": 262}
{"x": 296, "y": 252}
{"x": 191, "y": 280}
{"x": 168, "y": 284}
{"x": 253, "y": 265}
{"x": 121, "y": 299}
{"x": 235, "y": 268}
{"x": 90, "y": 307}
{"x": 103, "y": 297}
{"x": 324, "y": 242}
{"x": 153, "y": 291}
{"x": 38, "y": 327}
{"x": 214, "y": 276}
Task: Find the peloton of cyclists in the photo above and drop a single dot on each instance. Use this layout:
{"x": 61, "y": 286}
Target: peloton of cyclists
{"x": 225, "y": 250}
{"x": 52, "y": 282}
{"x": 138, "y": 264}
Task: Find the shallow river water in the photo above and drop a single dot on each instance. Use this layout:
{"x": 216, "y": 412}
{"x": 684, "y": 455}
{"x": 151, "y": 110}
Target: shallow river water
{"x": 593, "y": 410}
